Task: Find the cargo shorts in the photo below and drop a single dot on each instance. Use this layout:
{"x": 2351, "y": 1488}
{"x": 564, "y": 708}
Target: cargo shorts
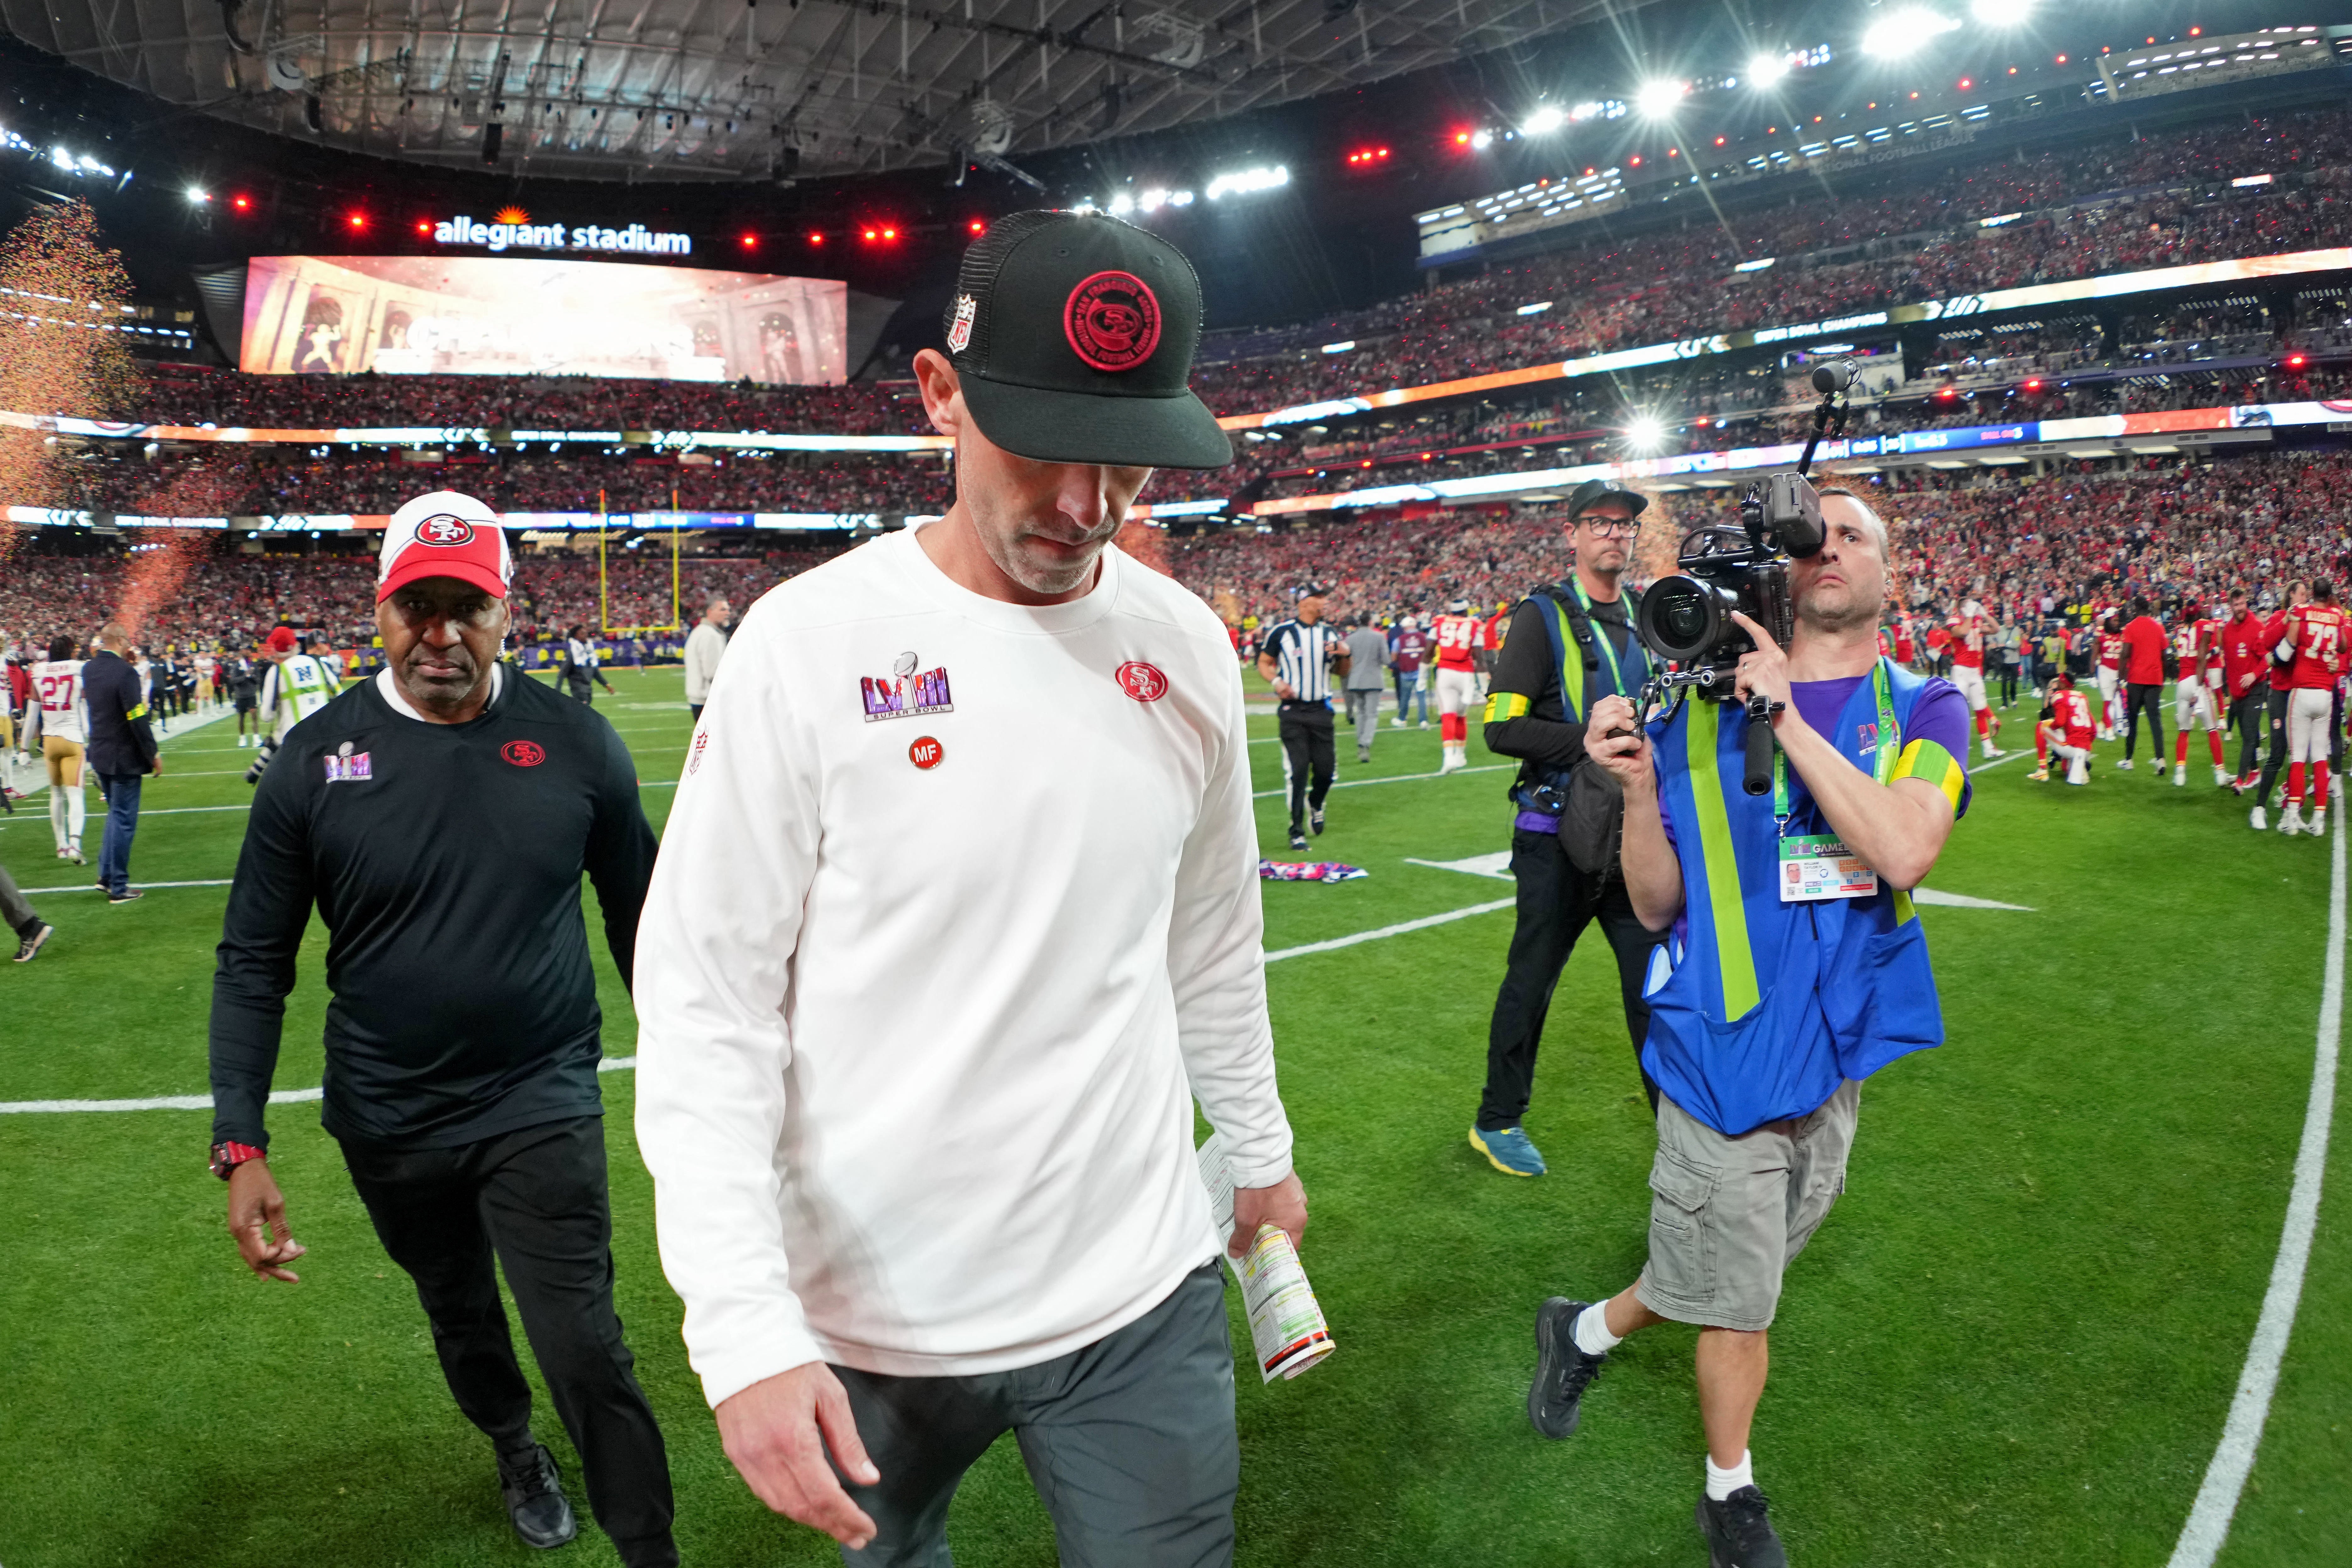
{"x": 1727, "y": 1215}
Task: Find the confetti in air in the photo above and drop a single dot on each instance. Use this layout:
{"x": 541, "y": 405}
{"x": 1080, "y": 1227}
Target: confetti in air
{"x": 162, "y": 558}
{"x": 59, "y": 286}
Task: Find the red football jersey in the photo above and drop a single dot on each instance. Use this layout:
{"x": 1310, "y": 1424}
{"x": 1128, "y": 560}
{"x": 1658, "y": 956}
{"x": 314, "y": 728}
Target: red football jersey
{"x": 2111, "y": 650}
{"x": 1968, "y": 643}
{"x": 2073, "y": 711}
{"x": 1457, "y": 636}
{"x": 2318, "y": 634}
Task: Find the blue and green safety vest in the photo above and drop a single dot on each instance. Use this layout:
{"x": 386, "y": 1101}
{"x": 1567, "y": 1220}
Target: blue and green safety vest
{"x": 1759, "y": 1009}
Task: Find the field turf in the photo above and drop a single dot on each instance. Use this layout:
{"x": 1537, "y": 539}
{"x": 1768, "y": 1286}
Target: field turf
{"x": 2014, "y": 1341}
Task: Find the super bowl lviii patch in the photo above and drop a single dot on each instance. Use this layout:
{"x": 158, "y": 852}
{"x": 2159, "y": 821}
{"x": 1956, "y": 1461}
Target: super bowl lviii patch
{"x": 905, "y": 690}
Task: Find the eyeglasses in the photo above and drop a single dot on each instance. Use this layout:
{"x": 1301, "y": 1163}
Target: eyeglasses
{"x": 1610, "y": 527}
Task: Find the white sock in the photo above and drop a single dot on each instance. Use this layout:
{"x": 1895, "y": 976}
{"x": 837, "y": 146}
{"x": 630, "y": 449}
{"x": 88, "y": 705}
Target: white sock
{"x": 1721, "y": 1484}
{"x": 1592, "y": 1335}
{"x": 58, "y": 814}
{"x": 76, "y": 813}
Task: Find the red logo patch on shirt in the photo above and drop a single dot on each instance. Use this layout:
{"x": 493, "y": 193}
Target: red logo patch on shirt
{"x": 523, "y": 753}
{"x": 927, "y": 754}
{"x": 701, "y": 739}
{"x": 1142, "y": 681}
{"x": 446, "y": 530}
{"x": 1112, "y": 320}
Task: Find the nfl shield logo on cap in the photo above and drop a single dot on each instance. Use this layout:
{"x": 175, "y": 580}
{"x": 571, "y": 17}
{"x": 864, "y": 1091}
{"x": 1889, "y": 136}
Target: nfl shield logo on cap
{"x": 443, "y": 534}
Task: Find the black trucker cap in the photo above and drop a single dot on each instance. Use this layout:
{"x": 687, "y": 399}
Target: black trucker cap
{"x": 1071, "y": 334}
{"x": 1592, "y": 492}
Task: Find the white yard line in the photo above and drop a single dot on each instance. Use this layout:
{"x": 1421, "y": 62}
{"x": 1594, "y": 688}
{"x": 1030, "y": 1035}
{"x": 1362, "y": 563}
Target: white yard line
{"x": 628, "y": 1064}
{"x": 94, "y": 888}
{"x": 1393, "y": 778}
{"x": 2242, "y": 1434}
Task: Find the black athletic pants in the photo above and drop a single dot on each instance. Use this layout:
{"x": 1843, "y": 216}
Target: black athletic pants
{"x": 537, "y": 1200}
{"x": 2246, "y": 718}
{"x": 1556, "y": 902}
{"x": 2009, "y": 673}
{"x": 2276, "y": 760}
{"x": 2137, "y": 695}
{"x": 1307, "y": 762}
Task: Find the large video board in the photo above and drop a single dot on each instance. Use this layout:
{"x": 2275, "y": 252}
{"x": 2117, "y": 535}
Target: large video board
{"x": 397, "y": 315}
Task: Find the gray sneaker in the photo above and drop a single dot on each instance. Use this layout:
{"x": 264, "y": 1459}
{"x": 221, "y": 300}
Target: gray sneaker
{"x": 1562, "y": 1370}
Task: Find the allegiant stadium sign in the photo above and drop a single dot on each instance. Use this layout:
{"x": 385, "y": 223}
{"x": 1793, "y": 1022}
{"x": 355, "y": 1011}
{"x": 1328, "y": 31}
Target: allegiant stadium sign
{"x": 520, "y": 234}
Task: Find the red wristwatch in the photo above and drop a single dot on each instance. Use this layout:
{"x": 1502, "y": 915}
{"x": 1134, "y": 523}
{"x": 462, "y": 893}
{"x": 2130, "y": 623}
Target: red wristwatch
{"x": 227, "y": 1157}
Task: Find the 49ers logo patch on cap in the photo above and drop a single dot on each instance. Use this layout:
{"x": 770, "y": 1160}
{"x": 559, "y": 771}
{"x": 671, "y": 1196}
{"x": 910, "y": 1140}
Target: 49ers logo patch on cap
{"x": 446, "y": 530}
{"x": 1112, "y": 320}
{"x": 523, "y": 753}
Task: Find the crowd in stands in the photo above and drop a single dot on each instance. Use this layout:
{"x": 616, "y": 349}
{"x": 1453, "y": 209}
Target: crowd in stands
{"x": 247, "y": 482}
{"x": 2172, "y": 529}
{"x": 228, "y": 597}
{"x": 188, "y": 395}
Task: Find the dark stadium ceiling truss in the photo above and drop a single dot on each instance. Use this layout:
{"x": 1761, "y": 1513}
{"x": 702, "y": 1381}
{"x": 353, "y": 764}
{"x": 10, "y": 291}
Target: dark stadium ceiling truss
{"x": 659, "y": 90}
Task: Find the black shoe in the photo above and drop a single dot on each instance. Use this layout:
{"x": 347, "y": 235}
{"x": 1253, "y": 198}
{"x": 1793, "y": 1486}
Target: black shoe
{"x": 1562, "y": 1370}
{"x": 1314, "y": 819}
{"x": 535, "y": 1500}
{"x": 29, "y": 947}
{"x": 125, "y": 896}
{"x": 1297, "y": 839}
{"x": 1738, "y": 1533}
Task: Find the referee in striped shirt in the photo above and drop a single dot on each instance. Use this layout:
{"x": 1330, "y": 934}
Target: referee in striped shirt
{"x": 1300, "y": 656}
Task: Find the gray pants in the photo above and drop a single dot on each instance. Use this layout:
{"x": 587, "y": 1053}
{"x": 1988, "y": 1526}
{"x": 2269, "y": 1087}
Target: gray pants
{"x": 14, "y": 909}
{"x": 1364, "y": 711}
{"x": 1727, "y": 1215}
{"x": 1130, "y": 1442}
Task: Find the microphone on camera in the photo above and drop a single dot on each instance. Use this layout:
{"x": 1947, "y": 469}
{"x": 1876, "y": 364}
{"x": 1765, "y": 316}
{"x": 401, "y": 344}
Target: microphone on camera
{"x": 1834, "y": 376}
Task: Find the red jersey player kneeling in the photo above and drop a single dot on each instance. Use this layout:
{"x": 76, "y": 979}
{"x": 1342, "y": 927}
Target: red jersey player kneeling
{"x": 2065, "y": 728}
{"x": 2314, "y": 635}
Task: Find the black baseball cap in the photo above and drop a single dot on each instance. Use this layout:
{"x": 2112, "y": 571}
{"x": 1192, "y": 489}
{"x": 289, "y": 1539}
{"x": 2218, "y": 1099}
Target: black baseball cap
{"x": 1592, "y": 492}
{"x": 1071, "y": 334}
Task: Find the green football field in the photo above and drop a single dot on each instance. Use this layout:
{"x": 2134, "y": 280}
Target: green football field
{"x": 2015, "y": 1341}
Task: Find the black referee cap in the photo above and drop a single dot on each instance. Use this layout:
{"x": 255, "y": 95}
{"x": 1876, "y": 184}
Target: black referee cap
{"x": 1071, "y": 334}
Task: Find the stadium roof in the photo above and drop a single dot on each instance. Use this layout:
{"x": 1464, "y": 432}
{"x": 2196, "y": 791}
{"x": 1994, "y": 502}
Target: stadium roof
{"x": 666, "y": 89}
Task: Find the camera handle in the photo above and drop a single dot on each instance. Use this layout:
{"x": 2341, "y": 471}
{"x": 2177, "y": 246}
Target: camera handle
{"x": 1758, "y": 780}
{"x": 1829, "y": 408}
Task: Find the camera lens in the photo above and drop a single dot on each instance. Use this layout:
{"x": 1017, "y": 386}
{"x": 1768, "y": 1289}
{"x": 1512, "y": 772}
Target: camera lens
{"x": 1681, "y": 619}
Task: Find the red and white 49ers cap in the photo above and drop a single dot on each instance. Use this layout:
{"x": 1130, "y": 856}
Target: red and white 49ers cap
{"x": 443, "y": 534}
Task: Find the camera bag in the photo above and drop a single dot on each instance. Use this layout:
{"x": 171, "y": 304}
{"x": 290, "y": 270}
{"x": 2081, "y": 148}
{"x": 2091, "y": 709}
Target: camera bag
{"x": 1593, "y": 811}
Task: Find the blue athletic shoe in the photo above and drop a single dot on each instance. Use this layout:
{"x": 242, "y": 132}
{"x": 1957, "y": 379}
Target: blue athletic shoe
{"x": 1508, "y": 1151}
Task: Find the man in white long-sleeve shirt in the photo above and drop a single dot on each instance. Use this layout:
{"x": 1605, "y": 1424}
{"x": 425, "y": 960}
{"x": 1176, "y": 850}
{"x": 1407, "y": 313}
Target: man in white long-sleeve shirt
{"x": 923, "y": 1022}
{"x": 704, "y": 645}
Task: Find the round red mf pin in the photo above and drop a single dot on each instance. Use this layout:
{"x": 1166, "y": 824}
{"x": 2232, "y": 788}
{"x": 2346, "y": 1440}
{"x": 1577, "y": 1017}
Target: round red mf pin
{"x": 926, "y": 752}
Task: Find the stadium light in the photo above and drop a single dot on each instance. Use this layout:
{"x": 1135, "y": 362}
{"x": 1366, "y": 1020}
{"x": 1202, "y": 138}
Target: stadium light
{"x": 1766, "y": 70}
{"x": 1547, "y": 119}
{"x": 1244, "y": 182}
{"x": 2001, "y": 13}
{"x": 198, "y": 194}
{"x": 241, "y": 201}
{"x": 1905, "y": 32}
{"x": 751, "y": 242}
{"x": 1645, "y": 431}
{"x": 358, "y": 221}
{"x": 1659, "y": 99}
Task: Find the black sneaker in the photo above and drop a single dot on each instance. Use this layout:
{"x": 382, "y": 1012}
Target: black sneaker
{"x": 124, "y": 897}
{"x": 1297, "y": 839}
{"x": 1314, "y": 819}
{"x": 1562, "y": 1370}
{"x": 1738, "y": 1533}
{"x": 535, "y": 1500}
{"x": 28, "y": 947}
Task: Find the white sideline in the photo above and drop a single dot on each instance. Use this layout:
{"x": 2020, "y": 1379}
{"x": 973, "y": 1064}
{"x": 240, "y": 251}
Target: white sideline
{"x": 627, "y": 1064}
{"x": 2242, "y": 1434}
{"x": 1392, "y": 778}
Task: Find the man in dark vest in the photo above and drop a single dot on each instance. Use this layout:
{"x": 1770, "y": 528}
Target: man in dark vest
{"x": 1570, "y": 645}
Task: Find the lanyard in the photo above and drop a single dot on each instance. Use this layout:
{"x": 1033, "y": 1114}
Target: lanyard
{"x": 1600, "y": 636}
{"x": 1882, "y": 767}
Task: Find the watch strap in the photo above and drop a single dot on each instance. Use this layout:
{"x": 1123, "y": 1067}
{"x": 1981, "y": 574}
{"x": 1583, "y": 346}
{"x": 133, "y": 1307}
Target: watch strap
{"x": 228, "y": 1156}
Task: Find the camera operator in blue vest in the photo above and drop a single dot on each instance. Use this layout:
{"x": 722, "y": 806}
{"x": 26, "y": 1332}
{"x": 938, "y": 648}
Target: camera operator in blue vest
{"x": 1796, "y": 968}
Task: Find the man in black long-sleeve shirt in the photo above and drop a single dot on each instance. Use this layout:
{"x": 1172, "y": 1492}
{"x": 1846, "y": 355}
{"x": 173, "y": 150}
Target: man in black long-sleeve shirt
{"x": 1569, "y": 646}
{"x": 122, "y": 751}
{"x": 439, "y": 816}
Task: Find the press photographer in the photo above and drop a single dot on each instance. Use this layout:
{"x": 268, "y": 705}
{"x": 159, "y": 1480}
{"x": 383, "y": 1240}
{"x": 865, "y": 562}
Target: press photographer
{"x": 1796, "y": 966}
